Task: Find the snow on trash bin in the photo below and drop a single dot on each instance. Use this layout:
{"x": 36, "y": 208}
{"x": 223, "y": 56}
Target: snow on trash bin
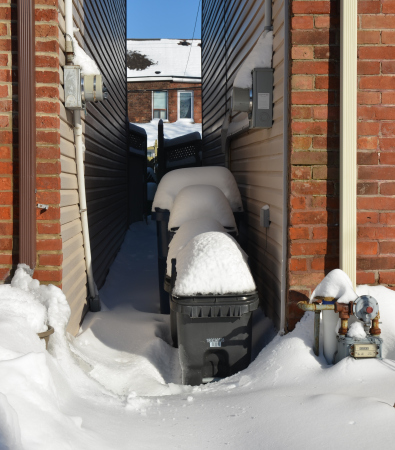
{"x": 186, "y": 232}
{"x": 212, "y": 263}
{"x": 172, "y": 183}
{"x": 194, "y": 202}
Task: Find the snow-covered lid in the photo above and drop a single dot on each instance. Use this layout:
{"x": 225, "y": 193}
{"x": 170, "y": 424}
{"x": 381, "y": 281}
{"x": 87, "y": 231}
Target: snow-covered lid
{"x": 212, "y": 263}
{"x": 197, "y": 201}
{"x": 172, "y": 183}
{"x": 186, "y": 232}
{"x": 164, "y": 58}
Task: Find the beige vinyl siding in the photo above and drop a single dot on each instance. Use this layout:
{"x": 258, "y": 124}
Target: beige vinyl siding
{"x": 74, "y": 282}
{"x": 256, "y": 157}
{"x": 102, "y": 30}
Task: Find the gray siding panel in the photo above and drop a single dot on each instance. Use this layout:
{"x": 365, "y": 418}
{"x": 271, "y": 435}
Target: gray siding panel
{"x": 229, "y": 32}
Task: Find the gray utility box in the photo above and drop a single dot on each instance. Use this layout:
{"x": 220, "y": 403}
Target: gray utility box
{"x": 72, "y": 87}
{"x": 369, "y": 347}
{"x": 262, "y": 98}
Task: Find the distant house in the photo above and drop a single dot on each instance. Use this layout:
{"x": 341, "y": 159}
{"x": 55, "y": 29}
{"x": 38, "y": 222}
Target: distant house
{"x": 164, "y": 80}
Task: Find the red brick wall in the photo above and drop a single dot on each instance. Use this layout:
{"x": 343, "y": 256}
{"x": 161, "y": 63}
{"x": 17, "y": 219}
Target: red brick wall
{"x": 49, "y": 244}
{"x": 140, "y": 103}
{"x": 314, "y": 155}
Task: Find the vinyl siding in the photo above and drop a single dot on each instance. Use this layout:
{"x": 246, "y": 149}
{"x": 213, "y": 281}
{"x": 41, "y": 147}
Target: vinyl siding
{"x": 256, "y": 158}
{"x": 102, "y": 34}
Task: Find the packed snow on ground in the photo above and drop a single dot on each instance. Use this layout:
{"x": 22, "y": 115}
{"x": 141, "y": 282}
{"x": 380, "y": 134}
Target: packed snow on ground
{"x": 221, "y": 177}
{"x": 196, "y": 201}
{"x": 260, "y": 57}
{"x": 116, "y": 385}
{"x": 212, "y": 263}
{"x": 186, "y": 232}
{"x": 170, "y": 130}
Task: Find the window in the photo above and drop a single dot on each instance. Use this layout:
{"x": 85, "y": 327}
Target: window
{"x": 185, "y": 105}
{"x": 159, "y": 110}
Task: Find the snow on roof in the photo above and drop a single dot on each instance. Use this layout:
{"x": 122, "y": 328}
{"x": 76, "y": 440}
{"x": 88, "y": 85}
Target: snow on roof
{"x": 163, "y": 58}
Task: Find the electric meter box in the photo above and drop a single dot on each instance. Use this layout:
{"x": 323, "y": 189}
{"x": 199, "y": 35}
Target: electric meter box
{"x": 262, "y": 98}
{"x": 72, "y": 87}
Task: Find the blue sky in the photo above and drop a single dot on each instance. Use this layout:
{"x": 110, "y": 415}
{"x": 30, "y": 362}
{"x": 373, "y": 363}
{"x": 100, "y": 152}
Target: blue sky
{"x": 174, "y": 19}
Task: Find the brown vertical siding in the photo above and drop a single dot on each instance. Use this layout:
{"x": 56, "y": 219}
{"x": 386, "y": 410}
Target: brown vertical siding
{"x": 230, "y": 31}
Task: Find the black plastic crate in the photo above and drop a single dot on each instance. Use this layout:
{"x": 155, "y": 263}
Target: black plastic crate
{"x": 214, "y": 335}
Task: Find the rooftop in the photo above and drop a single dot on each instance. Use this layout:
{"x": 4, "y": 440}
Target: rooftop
{"x": 164, "y": 59}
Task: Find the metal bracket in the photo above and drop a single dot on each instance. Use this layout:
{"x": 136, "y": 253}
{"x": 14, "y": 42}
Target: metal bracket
{"x": 42, "y": 206}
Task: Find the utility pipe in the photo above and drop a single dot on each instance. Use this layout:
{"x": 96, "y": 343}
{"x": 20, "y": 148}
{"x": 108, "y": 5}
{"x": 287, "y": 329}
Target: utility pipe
{"x": 348, "y": 138}
{"x": 94, "y": 303}
{"x": 267, "y": 21}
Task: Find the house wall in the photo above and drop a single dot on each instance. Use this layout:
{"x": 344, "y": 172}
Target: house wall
{"x": 49, "y": 244}
{"x": 256, "y": 158}
{"x": 60, "y": 254}
{"x": 314, "y": 98}
{"x": 105, "y": 139}
{"x": 140, "y": 99}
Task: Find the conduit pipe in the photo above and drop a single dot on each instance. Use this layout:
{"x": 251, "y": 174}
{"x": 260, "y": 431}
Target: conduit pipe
{"x": 348, "y": 138}
{"x": 94, "y": 303}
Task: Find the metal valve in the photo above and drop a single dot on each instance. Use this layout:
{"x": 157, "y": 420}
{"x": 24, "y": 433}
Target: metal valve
{"x": 365, "y": 308}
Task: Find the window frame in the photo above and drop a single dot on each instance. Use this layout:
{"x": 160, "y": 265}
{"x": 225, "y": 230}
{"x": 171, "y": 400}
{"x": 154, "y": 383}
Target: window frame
{"x": 188, "y": 119}
{"x": 167, "y": 105}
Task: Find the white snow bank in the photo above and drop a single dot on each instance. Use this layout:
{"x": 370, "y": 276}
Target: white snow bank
{"x": 197, "y": 201}
{"x": 186, "y": 232}
{"x": 170, "y": 130}
{"x": 38, "y": 306}
{"x": 87, "y": 64}
{"x": 174, "y": 181}
{"x": 212, "y": 263}
{"x": 336, "y": 284}
{"x": 260, "y": 57}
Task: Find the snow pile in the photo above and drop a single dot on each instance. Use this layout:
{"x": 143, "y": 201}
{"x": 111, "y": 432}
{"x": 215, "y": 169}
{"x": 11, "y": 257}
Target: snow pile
{"x": 221, "y": 177}
{"x": 212, "y": 263}
{"x": 117, "y": 384}
{"x": 356, "y": 330}
{"x": 87, "y": 64}
{"x": 197, "y": 201}
{"x": 260, "y": 57}
{"x": 170, "y": 130}
{"x": 186, "y": 232}
{"x": 336, "y": 284}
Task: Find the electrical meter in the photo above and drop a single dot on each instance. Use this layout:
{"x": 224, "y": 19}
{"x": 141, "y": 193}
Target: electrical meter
{"x": 79, "y": 89}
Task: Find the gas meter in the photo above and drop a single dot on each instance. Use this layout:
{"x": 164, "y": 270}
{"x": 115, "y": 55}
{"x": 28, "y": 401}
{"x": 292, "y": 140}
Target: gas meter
{"x": 79, "y": 89}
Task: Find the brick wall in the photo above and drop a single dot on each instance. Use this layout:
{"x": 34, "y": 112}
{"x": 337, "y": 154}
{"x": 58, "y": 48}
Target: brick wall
{"x": 140, "y": 103}
{"x": 314, "y": 155}
{"x": 49, "y": 244}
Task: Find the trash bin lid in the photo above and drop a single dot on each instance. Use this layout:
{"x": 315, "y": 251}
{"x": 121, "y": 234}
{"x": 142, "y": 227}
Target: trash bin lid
{"x": 212, "y": 264}
{"x": 186, "y": 232}
{"x": 221, "y": 177}
{"x": 194, "y": 202}
{"x": 215, "y": 306}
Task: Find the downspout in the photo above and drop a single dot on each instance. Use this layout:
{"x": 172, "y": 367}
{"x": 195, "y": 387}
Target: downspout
{"x": 348, "y": 138}
{"x": 27, "y": 132}
{"x": 94, "y": 301}
{"x": 284, "y": 256}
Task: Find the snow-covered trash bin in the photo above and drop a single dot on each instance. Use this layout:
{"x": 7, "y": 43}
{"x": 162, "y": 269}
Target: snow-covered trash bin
{"x": 169, "y": 187}
{"x": 185, "y": 233}
{"x": 213, "y": 298}
{"x": 197, "y": 201}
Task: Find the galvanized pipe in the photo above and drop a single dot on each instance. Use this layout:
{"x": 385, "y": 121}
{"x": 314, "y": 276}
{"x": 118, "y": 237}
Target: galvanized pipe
{"x": 305, "y": 306}
{"x": 317, "y": 323}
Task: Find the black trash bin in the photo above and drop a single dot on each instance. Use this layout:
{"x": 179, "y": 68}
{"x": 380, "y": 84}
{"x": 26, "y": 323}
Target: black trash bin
{"x": 161, "y": 216}
{"x": 214, "y": 335}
